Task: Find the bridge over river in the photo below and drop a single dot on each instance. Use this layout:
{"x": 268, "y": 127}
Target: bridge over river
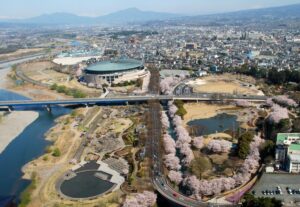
{"x": 129, "y": 99}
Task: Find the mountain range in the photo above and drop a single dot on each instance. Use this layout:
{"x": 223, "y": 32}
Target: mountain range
{"x": 134, "y": 15}
{"x": 120, "y": 17}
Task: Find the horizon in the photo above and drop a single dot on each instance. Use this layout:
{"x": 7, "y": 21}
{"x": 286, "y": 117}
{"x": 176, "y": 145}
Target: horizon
{"x": 189, "y": 7}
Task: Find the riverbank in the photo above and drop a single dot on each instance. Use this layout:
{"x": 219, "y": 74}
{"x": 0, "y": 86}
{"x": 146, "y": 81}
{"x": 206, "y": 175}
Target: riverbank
{"x": 14, "y": 124}
{"x": 4, "y": 80}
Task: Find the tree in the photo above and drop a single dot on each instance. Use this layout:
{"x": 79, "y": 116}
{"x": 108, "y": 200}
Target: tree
{"x": 296, "y": 125}
{"x": 219, "y": 146}
{"x": 267, "y": 149}
{"x": 244, "y": 145}
{"x": 175, "y": 177}
{"x": 200, "y": 165}
{"x": 251, "y": 201}
{"x": 198, "y": 142}
{"x": 145, "y": 199}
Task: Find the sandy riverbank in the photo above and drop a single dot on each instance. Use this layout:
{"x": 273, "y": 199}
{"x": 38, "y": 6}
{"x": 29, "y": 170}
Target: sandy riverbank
{"x": 14, "y": 124}
{"x": 4, "y": 82}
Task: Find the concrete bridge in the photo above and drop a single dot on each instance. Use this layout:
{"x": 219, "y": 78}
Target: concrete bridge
{"x": 128, "y": 100}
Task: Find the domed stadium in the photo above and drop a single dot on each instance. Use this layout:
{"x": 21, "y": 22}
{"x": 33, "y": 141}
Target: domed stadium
{"x": 113, "y": 72}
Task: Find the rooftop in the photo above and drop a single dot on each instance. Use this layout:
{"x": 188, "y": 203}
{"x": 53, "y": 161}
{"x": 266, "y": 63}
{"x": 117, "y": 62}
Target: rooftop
{"x": 281, "y": 137}
{"x": 114, "y": 66}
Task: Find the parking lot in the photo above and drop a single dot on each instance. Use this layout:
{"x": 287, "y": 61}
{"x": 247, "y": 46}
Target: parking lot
{"x": 268, "y": 186}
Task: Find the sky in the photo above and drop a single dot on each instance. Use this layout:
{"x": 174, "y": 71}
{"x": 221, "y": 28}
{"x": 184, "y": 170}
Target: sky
{"x": 30, "y": 8}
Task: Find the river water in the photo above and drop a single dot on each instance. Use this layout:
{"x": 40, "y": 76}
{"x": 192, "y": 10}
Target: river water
{"x": 29, "y": 145}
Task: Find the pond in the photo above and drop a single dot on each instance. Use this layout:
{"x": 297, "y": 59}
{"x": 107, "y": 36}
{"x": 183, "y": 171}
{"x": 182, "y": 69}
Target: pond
{"x": 218, "y": 123}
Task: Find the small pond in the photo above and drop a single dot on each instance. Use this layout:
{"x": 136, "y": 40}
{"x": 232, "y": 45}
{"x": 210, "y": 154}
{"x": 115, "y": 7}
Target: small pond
{"x": 218, "y": 123}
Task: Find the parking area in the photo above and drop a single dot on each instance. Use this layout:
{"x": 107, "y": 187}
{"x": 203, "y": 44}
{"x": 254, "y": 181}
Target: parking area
{"x": 285, "y": 187}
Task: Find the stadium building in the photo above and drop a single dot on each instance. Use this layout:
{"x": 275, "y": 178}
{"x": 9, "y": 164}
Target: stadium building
{"x": 113, "y": 72}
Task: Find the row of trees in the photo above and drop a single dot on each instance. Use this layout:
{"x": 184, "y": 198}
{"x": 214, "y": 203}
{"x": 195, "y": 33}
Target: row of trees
{"x": 75, "y": 93}
{"x": 273, "y": 76}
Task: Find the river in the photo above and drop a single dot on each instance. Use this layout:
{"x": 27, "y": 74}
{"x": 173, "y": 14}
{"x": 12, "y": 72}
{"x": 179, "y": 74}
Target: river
{"x": 27, "y": 146}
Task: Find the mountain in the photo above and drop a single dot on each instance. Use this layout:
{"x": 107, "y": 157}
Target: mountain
{"x": 249, "y": 16}
{"x": 135, "y": 15}
{"x": 120, "y": 17}
{"x": 58, "y": 18}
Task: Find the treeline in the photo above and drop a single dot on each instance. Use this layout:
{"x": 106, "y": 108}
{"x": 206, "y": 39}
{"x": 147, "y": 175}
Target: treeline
{"x": 250, "y": 200}
{"x": 75, "y": 93}
{"x": 132, "y": 32}
{"x": 10, "y": 49}
{"x": 273, "y": 76}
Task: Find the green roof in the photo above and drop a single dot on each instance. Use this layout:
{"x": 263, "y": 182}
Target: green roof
{"x": 114, "y": 66}
{"x": 295, "y": 147}
{"x": 283, "y": 136}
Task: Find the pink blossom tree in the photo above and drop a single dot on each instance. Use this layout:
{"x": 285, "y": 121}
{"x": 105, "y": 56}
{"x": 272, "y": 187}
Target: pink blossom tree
{"x": 145, "y": 199}
{"x": 278, "y": 113}
{"x": 172, "y": 162}
{"x": 284, "y": 101}
{"x": 175, "y": 177}
{"x": 219, "y": 146}
{"x": 169, "y": 144}
{"x": 192, "y": 183}
{"x": 167, "y": 84}
{"x": 243, "y": 103}
{"x": 165, "y": 120}
{"x": 172, "y": 109}
{"x": 198, "y": 142}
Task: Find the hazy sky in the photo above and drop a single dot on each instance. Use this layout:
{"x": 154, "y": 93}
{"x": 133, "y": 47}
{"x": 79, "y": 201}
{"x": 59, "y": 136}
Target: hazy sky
{"x": 29, "y": 8}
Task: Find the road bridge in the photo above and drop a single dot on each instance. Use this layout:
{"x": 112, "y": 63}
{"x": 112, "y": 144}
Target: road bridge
{"x": 128, "y": 99}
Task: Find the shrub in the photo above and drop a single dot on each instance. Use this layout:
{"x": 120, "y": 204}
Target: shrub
{"x": 56, "y": 152}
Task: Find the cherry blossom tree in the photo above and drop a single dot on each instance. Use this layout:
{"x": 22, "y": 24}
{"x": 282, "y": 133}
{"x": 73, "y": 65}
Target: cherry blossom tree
{"x": 165, "y": 120}
{"x": 278, "y": 113}
{"x": 169, "y": 144}
{"x": 192, "y": 183}
{"x": 172, "y": 109}
{"x": 175, "y": 177}
{"x": 145, "y": 199}
{"x": 167, "y": 84}
{"x": 177, "y": 121}
{"x": 284, "y": 101}
{"x": 198, "y": 142}
{"x": 219, "y": 146}
{"x": 243, "y": 103}
{"x": 172, "y": 162}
